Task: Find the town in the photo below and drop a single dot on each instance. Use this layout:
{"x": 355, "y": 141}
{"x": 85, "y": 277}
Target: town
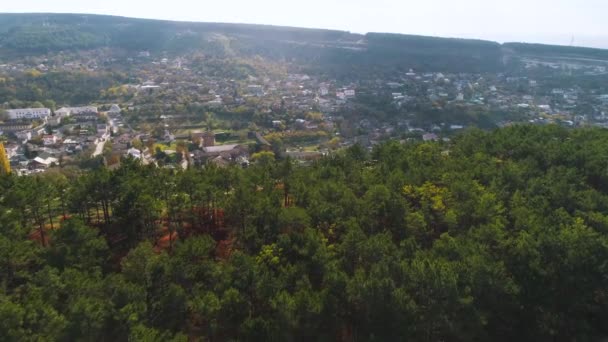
{"x": 188, "y": 111}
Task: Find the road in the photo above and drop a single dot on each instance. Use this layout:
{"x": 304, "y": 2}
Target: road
{"x": 99, "y": 147}
{"x": 104, "y": 138}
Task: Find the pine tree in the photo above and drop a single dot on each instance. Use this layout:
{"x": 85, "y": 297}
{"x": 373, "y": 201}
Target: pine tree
{"x": 5, "y": 165}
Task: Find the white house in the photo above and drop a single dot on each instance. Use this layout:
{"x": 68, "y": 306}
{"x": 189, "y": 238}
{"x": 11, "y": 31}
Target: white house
{"x": 49, "y": 140}
{"x": 83, "y": 110}
{"x": 430, "y": 137}
{"x": 28, "y": 113}
{"x": 24, "y": 136}
{"x": 63, "y": 112}
{"x": 135, "y": 153}
{"x": 11, "y": 150}
{"x": 114, "y": 109}
{"x": 44, "y": 161}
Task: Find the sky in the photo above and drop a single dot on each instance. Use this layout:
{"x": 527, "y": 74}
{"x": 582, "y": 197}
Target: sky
{"x": 543, "y": 21}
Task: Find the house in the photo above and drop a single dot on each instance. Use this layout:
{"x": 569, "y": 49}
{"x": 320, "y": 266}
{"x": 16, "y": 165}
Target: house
{"x": 19, "y": 161}
{"x": 38, "y": 131}
{"x": 300, "y": 123}
{"x": 102, "y": 129}
{"x": 54, "y": 120}
{"x": 114, "y": 109}
{"x": 217, "y": 150}
{"x": 28, "y": 113}
{"x": 44, "y": 160}
{"x": 430, "y": 137}
{"x": 220, "y": 161}
{"x": 168, "y": 137}
{"x": 89, "y": 113}
{"x": 11, "y": 150}
{"x": 24, "y": 136}
{"x": 208, "y": 139}
{"x": 134, "y": 153}
{"x": 228, "y": 152}
{"x": 48, "y": 140}
{"x": 63, "y": 112}
{"x": 77, "y": 111}
{"x": 196, "y": 136}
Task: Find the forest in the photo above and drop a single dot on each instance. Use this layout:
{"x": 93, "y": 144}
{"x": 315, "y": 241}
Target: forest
{"x": 556, "y": 50}
{"x": 494, "y": 236}
{"x": 333, "y": 52}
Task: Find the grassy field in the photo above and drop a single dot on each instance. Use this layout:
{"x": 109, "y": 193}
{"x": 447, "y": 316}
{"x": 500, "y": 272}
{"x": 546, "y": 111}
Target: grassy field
{"x": 237, "y": 141}
{"x": 172, "y": 146}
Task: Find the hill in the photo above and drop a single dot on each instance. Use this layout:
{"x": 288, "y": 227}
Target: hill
{"x": 316, "y": 50}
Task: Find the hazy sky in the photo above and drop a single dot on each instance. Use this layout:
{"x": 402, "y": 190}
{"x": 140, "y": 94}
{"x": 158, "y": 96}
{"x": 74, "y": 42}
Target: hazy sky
{"x": 548, "y": 21}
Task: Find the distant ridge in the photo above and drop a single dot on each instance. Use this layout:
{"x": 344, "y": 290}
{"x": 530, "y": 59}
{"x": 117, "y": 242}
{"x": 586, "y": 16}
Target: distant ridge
{"x": 316, "y": 49}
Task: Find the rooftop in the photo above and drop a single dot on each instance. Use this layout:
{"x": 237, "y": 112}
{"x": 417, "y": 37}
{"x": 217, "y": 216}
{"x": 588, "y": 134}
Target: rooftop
{"x": 220, "y": 148}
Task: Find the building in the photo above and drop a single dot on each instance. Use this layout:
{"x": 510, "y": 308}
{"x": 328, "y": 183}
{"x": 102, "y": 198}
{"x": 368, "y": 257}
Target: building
{"x": 54, "y": 120}
{"x": 196, "y": 136}
{"x": 208, "y": 139}
{"x": 228, "y": 151}
{"x": 44, "y": 160}
{"x": 102, "y": 129}
{"x": 28, "y": 113}
{"x": 168, "y": 137}
{"x": 63, "y": 112}
{"x": 114, "y": 109}
{"x": 24, "y": 136}
{"x": 349, "y": 93}
{"x": 86, "y": 113}
{"x": 134, "y": 153}
{"x": 48, "y": 140}
{"x": 15, "y": 127}
{"x": 430, "y": 137}
{"x": 11, "y": 150}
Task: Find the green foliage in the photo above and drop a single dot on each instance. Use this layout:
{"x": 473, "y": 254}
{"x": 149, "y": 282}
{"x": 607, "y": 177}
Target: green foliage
{"x": 497, "y": 236}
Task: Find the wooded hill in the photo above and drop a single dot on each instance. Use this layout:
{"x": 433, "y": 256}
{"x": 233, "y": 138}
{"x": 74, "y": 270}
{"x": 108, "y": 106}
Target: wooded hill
{"x": 319, "y": 50}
